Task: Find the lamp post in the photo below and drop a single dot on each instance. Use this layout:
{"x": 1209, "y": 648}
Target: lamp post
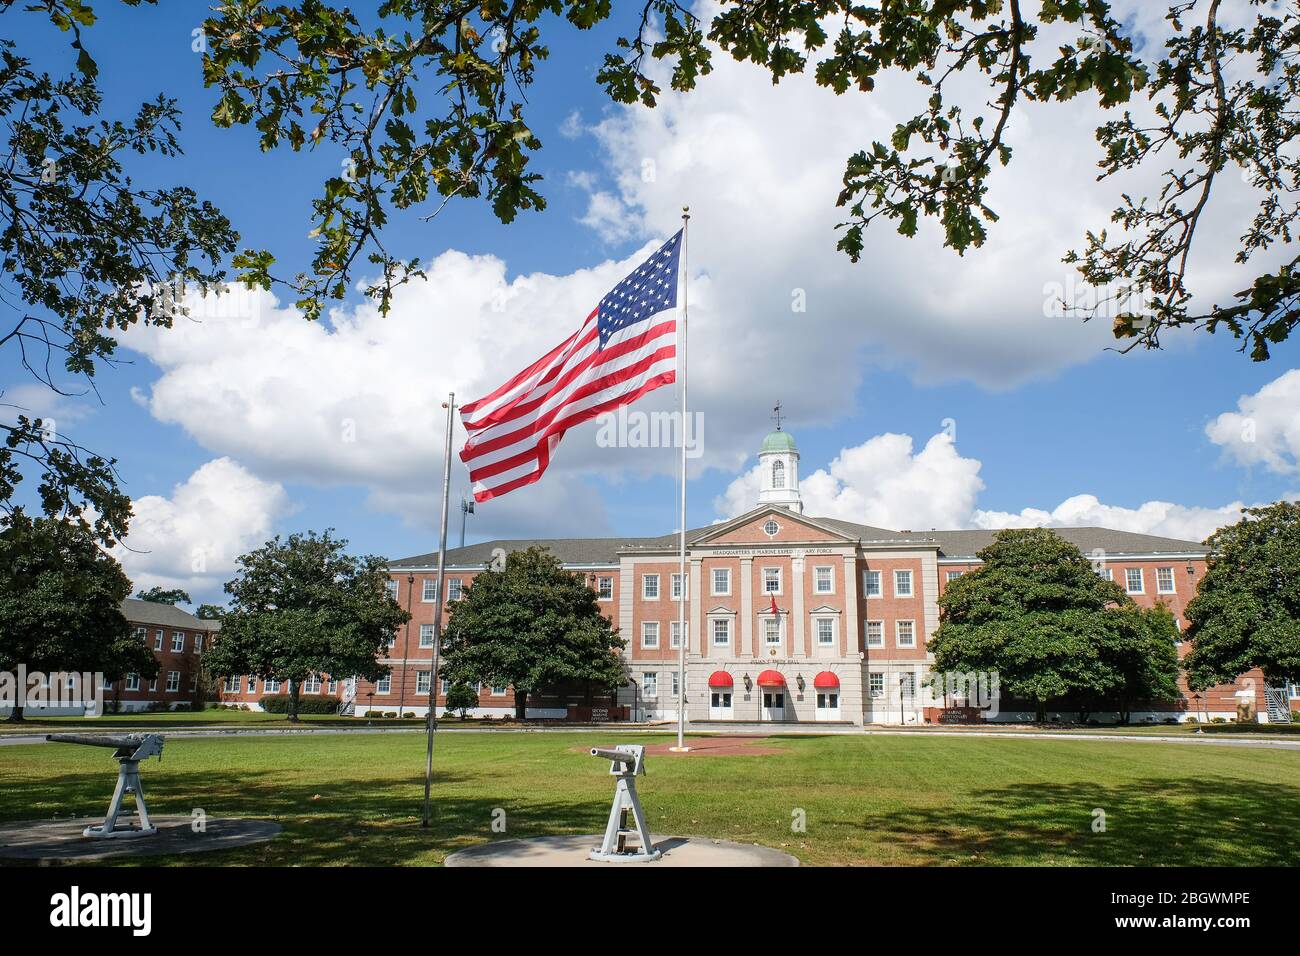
{"x": 902, "y": 714}
{"x": 406, "y": 643}
{"x": 466, "y": 508}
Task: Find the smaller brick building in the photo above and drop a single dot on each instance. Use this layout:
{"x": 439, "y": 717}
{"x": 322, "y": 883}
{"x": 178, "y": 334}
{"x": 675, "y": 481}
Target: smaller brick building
{"x": 177, "y": 639}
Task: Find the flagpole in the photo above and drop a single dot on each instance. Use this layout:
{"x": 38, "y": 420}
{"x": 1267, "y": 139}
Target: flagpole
{"x": 432, "y": 721}
{"x": 682, "y": 433}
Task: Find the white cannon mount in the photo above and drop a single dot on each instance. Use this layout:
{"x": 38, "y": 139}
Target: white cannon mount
{"x": 129, "y": 749}
{"x": 626, "y": 762}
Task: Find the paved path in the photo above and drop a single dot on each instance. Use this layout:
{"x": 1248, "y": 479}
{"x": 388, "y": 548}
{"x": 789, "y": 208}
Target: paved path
{"x": 766, "y": 730}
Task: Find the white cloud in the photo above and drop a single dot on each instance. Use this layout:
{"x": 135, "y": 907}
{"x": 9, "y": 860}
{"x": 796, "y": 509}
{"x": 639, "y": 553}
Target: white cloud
{"x": 1265, "y": 430}
{"x": 881, "y": 482}
{"x": 191, "y": 539}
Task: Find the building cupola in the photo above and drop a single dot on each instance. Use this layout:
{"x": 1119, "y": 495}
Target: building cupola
{"x": 778, "y": 459}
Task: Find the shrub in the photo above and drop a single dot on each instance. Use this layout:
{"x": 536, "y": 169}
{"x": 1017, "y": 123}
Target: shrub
{"x": 279, "y": 704}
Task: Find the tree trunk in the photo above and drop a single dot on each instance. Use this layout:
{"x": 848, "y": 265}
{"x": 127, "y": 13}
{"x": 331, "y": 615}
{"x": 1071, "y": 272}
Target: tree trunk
{"x": 1040, "y": 712}
{"x": 521, "y": 704}
{"x": 294, "y": 690}
{"x": 16, "y": 715}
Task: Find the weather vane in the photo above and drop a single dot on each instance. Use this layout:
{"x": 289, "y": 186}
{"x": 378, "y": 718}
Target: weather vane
{"x": 776, "y": 415}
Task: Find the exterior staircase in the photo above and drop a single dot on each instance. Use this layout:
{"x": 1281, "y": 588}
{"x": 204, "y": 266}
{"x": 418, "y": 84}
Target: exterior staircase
{"x": 1278, "y": 702}
{"x": 348, "y": 702}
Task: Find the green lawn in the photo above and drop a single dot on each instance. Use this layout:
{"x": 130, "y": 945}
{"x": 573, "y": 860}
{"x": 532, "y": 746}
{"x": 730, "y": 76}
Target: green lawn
{"x": 868, "y": 799}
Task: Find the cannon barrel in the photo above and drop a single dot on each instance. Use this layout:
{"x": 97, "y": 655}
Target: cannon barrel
{"x": 95, "y": 740}
{"x": 619, "y": 755}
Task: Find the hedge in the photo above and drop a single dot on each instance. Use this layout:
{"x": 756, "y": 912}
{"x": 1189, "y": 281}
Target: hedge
{"x": 307, "y": 704}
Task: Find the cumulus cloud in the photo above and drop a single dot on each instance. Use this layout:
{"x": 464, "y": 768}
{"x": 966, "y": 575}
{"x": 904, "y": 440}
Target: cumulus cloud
{"x": 883, "y": 483}
{"x": 1265, "y": 429}
{"x": 190, "y": 540}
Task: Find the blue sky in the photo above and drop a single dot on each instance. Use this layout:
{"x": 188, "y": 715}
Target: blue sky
{"x": 1067, "y": 419}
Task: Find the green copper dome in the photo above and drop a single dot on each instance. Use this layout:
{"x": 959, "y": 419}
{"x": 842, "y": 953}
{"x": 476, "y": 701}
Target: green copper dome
{"x": 778, "y": 441}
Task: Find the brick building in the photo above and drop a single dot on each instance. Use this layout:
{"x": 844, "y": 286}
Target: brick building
{"x": 177, "y": 639}
{"x": 796, "y": 618}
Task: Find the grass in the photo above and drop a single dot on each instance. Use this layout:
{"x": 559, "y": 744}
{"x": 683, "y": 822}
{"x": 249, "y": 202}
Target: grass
{"x": 355, "y": 800}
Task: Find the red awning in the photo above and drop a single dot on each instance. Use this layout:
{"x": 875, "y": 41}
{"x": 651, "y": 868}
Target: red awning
{"x": 826, "y": 679}
{"x": 720, "y": 679}
{"x": 771, "y": 679}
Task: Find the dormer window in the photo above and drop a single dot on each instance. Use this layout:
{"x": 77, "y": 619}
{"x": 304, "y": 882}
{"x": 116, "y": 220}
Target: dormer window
{"x": 778, "y": 474}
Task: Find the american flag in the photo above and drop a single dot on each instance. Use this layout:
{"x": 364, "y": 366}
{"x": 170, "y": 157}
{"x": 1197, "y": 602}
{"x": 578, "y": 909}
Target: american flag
{"x": 625, "y": 348}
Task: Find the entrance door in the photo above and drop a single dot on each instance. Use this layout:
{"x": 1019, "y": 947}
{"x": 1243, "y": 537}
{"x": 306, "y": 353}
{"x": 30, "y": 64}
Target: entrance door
{"x": 828, "y": 705}
{"x": 773, "y": 705}
{"x": 720, "y": 705}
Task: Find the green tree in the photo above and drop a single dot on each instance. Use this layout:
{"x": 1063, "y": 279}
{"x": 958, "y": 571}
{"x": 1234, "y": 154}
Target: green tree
{"x": 1246, "y": 612}
{"x": 61, "y": 604}
{"x": 302, "y": 606}
{"x": 461, "y": 697}
{"x": 210, "y": 612}
{"x": 84, "y": 253}
{"x": 530, "y": 625}
{"x": 1038, "y": 614}
{"x": 1215, "y": 99}
{"x": 160, "y": 595}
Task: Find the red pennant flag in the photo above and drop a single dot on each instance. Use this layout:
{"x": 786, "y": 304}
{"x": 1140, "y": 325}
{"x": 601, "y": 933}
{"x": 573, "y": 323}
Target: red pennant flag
{"x": 774, "y": 610}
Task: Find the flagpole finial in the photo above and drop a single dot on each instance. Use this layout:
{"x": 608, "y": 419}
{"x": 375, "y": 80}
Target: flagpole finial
{"x": 686, "y": 212}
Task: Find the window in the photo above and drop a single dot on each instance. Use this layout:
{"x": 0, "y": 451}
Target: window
{"x": 871, "y": 583}
{"x": 876, "y": 684}
{"x": 675, "y": 687}
{"x": 178, "y": 641}
{"x": 1107, "y": 573}
{"x": 771, "y": 631}
{"x": 430, "y": 590}
{"x": 153, "y": 685}
{"x": 270, "y": 687}
{"x": 902, "y": 584}
{"x": 770, "y": 528}
{"x": 252, "y": 685}
{"x": 778, "y": 474}
{"x": 1133, "y": 580}
{"x": 231, "y": 685}
{"x": 875, "y": 633}
{"x": 650, "y": 634}
{"x": 173, "y": 681}
{"x": 311, "y": 685}
{"x": 443, "y": 686}
{"x": 453, "y": 589}
{"x": 384, "y": 685}
{"x": 133, "y": 682}
{"x": 194, "y": 682}
{"x": 426, "y": 635}
{"x": 649, "y": 685}
{"x": 677, "y": 587}
{"x": 721, "y": 581}
{"x": 650, "y": 587}
{"x": 332, "y": 687}
{"x": 907, "y": 684}
{"x": 771, "y": 580}
{"x": 142, "y": 634}
{"x": 905, "y": 631}
{"x": 391, "y": 588}
{"x": 721, "y": 632}
{"x": 1165, "y": 580}
{"x": 422, "y": 682}
{"x": 675, "y": 634}
{"x": 498, "y": 690}
{"x": 605, "y": 588}
{"x": 157, "y": 640}
{"x": 953, "y": 576}
{"x": 823, "y": 580}
{"x": 198, "y": 643}
{"x": 825, "y": 631}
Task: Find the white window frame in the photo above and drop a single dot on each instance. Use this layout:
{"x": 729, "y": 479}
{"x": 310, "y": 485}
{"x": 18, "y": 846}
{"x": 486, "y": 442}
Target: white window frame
{"x": 674, "y": 684}
{"x": 232, "y": 685}
{"x": 252, "y": 685}
{"x": 499, "y": 690}
{"x": 713, "y": 578}
{"x": 873, "y": 692}
{"x": 770, "y": 619}
{"x": 132, "y": 681}
{"x": 158, "y": 638}
{"x": 650, "y": 635}
{"x": 900, "y": 575}
{"x": 426, "y": 631}
{"x": 605, "y": 587}
{"x": 646, "y": 587}
{"x": 270, "y": 687}
{"x": 178, "y": 642}
{"x": 391, "y": 587}
{"x": 950, "y": 576}
{"x": 650, "y": 685}
{"x": 713, "y": 631}
{"x": 384, "y": 686}
{"x": 422, "y": 681}
{"x": 866, "y": 633}
{"x": 867, "y": 577}
{"x": 817, "y": 631}
{"x": 675, "y": 585}
{"x": 311, "y": 685}
{"x": 198, "y": 643}
{"x": 173, "y": 682}
{"x": 1128, "y": 581}
{"x": 675, "y": 634}
{"x": 1107, "y": 573}
{"x": 830, "y": 581}
{"x": 429, "y": 591}
{"x": 898, "y": 633}
{"x": 780, "y": 583}
{"x": 454, "y": 588}
{"x": 1173, "y": 582}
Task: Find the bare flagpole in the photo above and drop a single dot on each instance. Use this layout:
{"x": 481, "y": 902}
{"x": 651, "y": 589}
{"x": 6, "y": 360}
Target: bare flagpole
{"x": 682, "y": 433}
{"x": 450, "y": 405}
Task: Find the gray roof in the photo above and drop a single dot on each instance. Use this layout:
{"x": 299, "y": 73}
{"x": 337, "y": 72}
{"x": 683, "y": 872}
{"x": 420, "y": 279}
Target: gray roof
{"x": 164, "y": 615}
{"x": 587, "y": 552}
